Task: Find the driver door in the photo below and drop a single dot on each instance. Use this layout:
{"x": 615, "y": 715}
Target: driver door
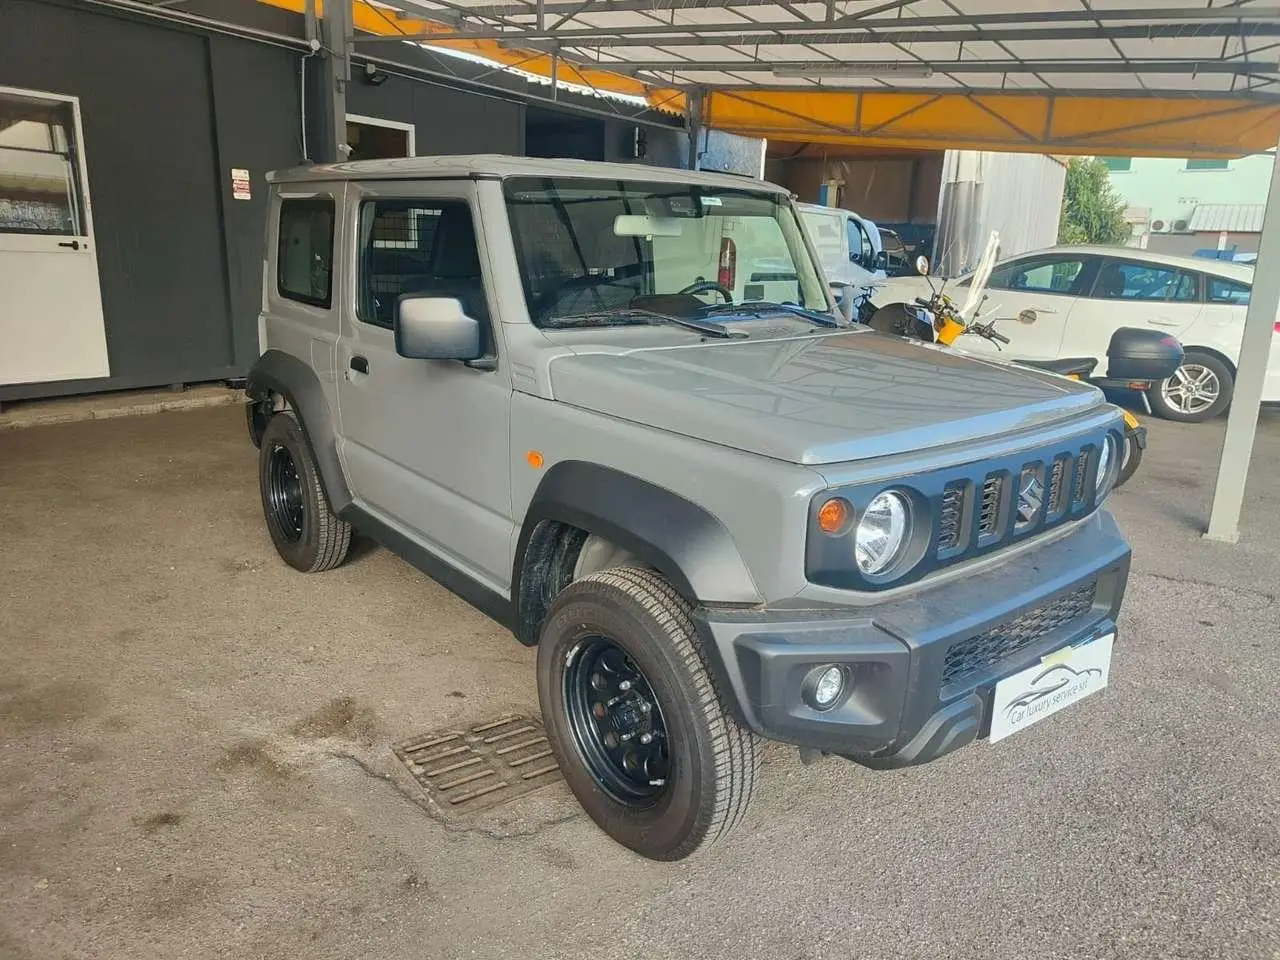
{"x": 425, "y": 443}
{"x": 1031, "y": 300}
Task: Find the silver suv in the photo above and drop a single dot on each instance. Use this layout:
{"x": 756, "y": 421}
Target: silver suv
{"x": 618, "y": 409}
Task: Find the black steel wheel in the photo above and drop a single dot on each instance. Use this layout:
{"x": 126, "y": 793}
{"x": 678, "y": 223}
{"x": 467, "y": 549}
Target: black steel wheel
{"x": 284, "y": 494}
{"x": 616, "y": 721}
{"x": 634, "y": 718}
{"x": 305, "y": 531}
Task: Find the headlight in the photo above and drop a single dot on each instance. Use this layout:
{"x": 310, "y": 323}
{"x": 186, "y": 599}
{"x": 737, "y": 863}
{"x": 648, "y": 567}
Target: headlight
{"x": 1108, "y": 467}
{"x": 882, "y": 532}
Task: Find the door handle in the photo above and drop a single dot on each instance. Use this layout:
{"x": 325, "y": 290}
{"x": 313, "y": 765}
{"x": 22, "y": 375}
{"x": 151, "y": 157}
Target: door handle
{"x": 71, "y": 244}
{"x": 359, "y": 364}
{"x": 1044, "y": 309}
{"x": 1161, "y": 322}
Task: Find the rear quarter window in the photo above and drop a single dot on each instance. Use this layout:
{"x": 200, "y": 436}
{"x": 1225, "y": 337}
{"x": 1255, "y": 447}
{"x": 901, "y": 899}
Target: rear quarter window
{"x": 304, "y": 250}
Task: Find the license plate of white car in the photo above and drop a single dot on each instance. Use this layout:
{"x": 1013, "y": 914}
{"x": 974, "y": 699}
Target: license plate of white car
{"x": 1058, "y": 680}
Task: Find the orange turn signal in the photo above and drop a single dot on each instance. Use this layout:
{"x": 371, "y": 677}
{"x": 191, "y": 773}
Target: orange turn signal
{"x": 834, "y": 515}
{"x": 535, "y": 458}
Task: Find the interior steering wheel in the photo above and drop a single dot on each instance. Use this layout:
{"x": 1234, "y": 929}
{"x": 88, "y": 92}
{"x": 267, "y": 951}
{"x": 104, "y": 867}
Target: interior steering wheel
{"x": 705, "y": 286}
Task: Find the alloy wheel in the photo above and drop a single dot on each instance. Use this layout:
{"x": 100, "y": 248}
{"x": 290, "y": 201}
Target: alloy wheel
{"x": 1192, "y": 389}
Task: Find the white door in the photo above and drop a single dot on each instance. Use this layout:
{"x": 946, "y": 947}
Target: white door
{"x": 1031, "y": 300}
{"x": 51, "y": 325}
{"x": 1131, "y": 293}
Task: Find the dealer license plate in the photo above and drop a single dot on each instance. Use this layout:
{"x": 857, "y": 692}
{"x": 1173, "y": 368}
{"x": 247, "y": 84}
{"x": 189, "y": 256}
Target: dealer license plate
{"x": 1058, "y": 680}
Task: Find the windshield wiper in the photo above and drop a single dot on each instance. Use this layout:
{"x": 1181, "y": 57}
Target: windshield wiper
{"x": 624, "y": 315}
{"x": 758, "y": 307}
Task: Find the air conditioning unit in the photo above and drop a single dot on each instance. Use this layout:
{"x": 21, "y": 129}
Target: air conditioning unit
{"x": 1180, "y": 226}
{"x": 1159, "y": 226}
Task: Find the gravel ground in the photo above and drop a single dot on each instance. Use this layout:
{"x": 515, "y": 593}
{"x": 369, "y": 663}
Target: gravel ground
{"x": 195, "y": 762}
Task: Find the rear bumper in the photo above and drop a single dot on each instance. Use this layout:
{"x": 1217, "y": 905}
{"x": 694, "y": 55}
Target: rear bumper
{"x": 922, "y": 666}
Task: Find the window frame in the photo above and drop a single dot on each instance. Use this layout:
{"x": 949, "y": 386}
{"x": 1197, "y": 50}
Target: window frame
{"x": 1088, "y": 266}
{"x": 371, "y": 197}
{"x": 1209, "y": 278}
{"x": 1203, "y": 165}
{"x": 325, "y": 302}
{"x": 1196, "y": 297}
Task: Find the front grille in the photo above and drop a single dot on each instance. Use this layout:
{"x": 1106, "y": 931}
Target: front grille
{"x": 951, "y": 517}
{"x": 968, "y": 659}
{"x": 1057, "y": 485}
{"x": 1082, "y": 464}
{"x": 989, "y": 510}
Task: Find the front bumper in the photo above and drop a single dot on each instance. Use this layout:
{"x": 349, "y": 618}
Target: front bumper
{"x": 923, "y": 666}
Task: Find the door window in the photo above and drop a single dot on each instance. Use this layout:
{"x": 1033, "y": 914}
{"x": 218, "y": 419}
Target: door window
{"x": 304, "y": 261}
{"x": 860, "y": 248}
{"x": 1135, "y": 280}
{"x": 1061, "y": 275}
{"x": 1222, "y": 290}
{"x": 422, "y": 247}
{"x": 39, "y": 182}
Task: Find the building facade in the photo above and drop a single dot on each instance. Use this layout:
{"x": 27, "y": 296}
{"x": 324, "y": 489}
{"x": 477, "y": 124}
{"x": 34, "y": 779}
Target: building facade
{"x": 1186, "y": 206}
{"x": 134, "y": 146}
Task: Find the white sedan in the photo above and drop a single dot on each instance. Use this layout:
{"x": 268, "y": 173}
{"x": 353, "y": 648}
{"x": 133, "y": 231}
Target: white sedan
{"x": 1067, "y": 301}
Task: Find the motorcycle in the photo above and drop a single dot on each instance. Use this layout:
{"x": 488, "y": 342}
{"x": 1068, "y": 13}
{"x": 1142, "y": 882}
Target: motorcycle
{"x": 1136, "y": 358}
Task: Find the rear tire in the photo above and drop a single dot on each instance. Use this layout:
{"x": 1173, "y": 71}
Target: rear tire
{"x": 306, "y": 532}
{"x": 1200, "y": 390}
{"x": 630, "y": 622}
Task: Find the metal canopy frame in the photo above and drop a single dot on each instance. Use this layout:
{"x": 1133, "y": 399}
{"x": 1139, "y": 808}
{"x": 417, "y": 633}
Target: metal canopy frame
{"x": 1165, "y": 47}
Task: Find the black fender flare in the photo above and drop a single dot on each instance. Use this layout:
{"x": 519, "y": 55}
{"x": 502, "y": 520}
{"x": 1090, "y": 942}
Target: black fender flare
{"x": 277, "y": 372}
{"x": 681, "y": 540}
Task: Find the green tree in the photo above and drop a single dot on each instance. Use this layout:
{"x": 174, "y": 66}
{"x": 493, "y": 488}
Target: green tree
{"x": 1092, "y": 212}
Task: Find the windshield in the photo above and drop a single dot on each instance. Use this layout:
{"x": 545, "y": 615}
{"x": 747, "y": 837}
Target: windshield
{"x": 598, "y": 252}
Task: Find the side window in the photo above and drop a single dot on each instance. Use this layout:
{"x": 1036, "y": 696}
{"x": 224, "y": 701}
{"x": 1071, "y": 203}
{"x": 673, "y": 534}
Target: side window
{"x": 1133, "y": 280}
{"x": 1043, "y": 275}
{"x": 1222, "y": 290}
{"x": 860, "y": 249}
{"x": 422, "y": 247}
{"x": 304, "y": 253}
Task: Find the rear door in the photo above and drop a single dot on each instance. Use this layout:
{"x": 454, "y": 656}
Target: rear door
{"x": 1128, "y": 292}
{"x": 1032, "y": 299}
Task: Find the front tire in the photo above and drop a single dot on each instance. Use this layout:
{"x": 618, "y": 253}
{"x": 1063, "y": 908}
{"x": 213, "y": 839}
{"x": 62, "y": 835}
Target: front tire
{"x": 1199, "y": 390}
{"x": 634, "y": 718}
{"x": 306, "y": 532}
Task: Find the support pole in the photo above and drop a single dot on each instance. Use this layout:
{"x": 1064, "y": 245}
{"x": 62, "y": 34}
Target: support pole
{"x": 332, "y": 110}
{"x": 693, "y": 121}
{"x": 1255, "y": 350}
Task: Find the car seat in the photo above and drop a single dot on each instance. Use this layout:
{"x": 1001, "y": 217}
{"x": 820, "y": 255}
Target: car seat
{"x": 1111, "y": 282}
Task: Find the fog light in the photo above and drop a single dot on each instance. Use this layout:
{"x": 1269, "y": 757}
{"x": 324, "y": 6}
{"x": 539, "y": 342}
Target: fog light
{"x": 828, "y": 688}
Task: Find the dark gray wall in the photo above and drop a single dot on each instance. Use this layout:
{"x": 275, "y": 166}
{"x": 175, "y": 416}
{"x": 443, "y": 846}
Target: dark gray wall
{"x": 445, "y": 121}
{"x": 145, "y": 99}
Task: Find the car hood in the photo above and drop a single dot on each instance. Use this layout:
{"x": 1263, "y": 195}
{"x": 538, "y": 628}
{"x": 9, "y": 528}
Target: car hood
{"x": 820, "y": 398}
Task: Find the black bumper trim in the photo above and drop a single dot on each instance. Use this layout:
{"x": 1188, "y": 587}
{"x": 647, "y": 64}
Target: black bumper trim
{"x": 898, "y": 711}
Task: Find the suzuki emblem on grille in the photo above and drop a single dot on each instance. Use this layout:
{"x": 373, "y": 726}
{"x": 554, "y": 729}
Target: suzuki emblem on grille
{"x": 1030, "y": 495}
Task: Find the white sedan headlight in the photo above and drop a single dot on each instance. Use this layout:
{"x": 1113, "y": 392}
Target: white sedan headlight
{"x": 883, "y": 532}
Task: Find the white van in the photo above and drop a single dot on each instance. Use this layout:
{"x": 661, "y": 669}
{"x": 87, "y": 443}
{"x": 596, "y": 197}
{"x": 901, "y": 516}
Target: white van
{"x": 848, "y": 245}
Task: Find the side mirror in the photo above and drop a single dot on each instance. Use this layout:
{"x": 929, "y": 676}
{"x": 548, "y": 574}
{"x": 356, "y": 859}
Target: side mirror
{"x": 882, "y": 260}
{"x": 436, "y": 328}
{"x": 843, "y": 293}
{"x": 854, "y": 257}
{"x": 922, "y": 265}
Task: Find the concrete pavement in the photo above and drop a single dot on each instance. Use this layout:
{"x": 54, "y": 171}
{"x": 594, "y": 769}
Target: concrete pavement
{"x": 194, "y": 754}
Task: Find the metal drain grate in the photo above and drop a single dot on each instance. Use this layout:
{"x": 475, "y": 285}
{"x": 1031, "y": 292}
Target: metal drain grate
{"x": 469, "y": 770}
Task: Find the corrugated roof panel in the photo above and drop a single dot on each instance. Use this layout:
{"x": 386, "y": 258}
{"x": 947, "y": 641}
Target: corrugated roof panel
{"x": 1232, "y": 217}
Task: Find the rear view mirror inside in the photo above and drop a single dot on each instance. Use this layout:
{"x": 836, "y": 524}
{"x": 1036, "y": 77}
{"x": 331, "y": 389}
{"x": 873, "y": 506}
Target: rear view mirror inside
{"x": 640, "y": 225}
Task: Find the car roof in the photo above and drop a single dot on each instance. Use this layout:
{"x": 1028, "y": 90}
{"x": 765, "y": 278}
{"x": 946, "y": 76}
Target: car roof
{"x": 1221, "y": 268}
{"x": 497, "y": 166}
